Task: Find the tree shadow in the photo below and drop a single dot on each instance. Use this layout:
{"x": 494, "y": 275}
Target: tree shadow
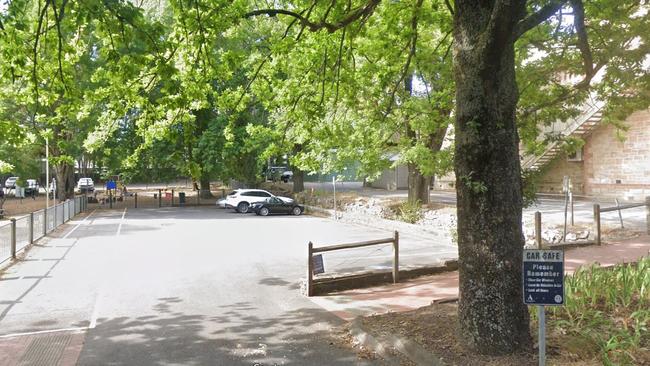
{"x": 238, "y": 336}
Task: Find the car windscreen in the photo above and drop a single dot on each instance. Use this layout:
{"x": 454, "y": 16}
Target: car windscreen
{"x": 233, "y": 193}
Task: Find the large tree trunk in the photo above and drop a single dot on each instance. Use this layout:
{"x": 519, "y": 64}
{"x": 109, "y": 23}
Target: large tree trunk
{"x": 65, "y": 184}
{"x": 492, "y": 316}
{"x": 205, "y": 186}
{"x": 418, "y": 185}
{"x": 298, "y": 180}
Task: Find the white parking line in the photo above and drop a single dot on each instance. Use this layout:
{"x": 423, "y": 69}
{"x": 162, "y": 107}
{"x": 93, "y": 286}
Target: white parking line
{"x": 119, "y": 228}
{"x": 79, "y": 224}
{"x": 79, "y": 329}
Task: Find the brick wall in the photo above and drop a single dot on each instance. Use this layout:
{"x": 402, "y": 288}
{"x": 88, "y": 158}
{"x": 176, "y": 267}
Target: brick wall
{"x": 553, "y": 175}
{"x": 619, "y": 168}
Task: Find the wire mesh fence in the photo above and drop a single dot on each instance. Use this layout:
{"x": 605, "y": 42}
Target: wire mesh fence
{"x": 18, "y": 233}
{"x": 23, "y": 225}
{"x": 5, "y": 242}
{"x": 51, "y": 219}
{"x": 58, "y": 214}
{"x": 39, "y": 224}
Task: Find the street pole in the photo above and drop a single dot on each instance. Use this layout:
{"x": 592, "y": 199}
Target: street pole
{"x": 47, "y": 174}
{"x": 541, "y": 313}
{"x": 334, "y": 185}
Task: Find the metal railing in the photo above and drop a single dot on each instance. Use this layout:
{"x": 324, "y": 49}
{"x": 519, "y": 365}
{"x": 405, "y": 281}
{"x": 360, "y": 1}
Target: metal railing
{"x": 18, "y": 233}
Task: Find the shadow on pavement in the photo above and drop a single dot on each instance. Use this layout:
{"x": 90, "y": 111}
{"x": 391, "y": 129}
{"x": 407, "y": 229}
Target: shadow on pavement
{"x": 235, "y": 337}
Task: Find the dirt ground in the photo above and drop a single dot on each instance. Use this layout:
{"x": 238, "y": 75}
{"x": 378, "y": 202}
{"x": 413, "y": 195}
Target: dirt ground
{"x": 17, "y": 206}
{"x": 435, "y": 328}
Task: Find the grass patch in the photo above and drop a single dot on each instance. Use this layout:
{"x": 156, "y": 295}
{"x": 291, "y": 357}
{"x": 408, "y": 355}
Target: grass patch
{"x": 606, "y": 314}
{"x": 410, "y": 212}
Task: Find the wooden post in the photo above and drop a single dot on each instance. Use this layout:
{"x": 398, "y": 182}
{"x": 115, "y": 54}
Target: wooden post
{"x": 172, "y": 198}
{"x": 310, "y": 270}
{"x": 620, "y": 216}
{"x": 647, "y": 213}
{"x": 160, "y": 198}
{"x": 597, "y": 223}
{"x": 13, "y": 238}
{"x": 396, "y": 258}
{"x": 135, "y": 197}
{"x": 223, "y": 193}
{"x": 31, "y": 228}
{"x": 198, "y": 197}
{"x": 110, "y": 199}
{"x": 538, "y": 229}
{"x": 571, "y": 200}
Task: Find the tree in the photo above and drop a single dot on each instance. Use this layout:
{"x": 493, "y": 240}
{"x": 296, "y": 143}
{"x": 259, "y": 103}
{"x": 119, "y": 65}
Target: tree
{"x": 350, "y": 91}
{"x": 493, "y": 318}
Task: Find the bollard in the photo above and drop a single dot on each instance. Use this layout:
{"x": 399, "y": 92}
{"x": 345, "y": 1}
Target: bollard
{"x": 172, "y": 198}
{"x": 310, "y": 270}
{"x": 110, "y": 199}
{"x": 13, "y": 238}
{"x": 160, "y": 198}
{"x": 223, "y": 193}
{"x": 597, "y": 223}
{"x": 396, "y": 258}
{"x": 198, "y": 197}
{"x": 135, "y": 197}
{"x": 31, "y": 228}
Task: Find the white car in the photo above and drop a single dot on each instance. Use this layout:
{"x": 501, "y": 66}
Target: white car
{"x": 85, "y": 185}
{"x": 10, "y": 183}
{"x": 241, "y": 199}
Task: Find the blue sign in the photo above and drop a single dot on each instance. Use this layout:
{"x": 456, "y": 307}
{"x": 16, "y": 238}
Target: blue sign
{"x": 111, "y": 184}
{"x": 319, "y": 267}
{"x": 543, "y": 277}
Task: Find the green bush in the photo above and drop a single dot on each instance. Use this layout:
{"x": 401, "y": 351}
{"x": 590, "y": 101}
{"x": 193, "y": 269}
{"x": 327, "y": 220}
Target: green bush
{"x": 410, "y": 212}
{"x": 609, "y": 308}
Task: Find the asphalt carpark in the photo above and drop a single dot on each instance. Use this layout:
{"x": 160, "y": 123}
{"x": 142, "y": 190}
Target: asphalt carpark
{"x": 189, "y": 285}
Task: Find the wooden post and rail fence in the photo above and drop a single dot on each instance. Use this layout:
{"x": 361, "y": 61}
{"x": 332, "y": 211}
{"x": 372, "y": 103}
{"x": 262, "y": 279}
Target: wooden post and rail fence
{"x": 361, "y": 244}
{"x": 596, "y": 221}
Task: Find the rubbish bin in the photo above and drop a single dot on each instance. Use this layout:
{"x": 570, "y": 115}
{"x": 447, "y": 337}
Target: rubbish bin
{"x": 181, "y": 198}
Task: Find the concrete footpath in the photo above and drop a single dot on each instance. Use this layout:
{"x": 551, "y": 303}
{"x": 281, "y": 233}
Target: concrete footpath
{"x": 423, "y": 291}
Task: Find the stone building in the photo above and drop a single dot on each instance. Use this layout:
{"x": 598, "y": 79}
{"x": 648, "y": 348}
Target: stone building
{"x": 609, "y": 164}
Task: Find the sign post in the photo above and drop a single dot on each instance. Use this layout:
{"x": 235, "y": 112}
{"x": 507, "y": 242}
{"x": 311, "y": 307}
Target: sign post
{"x": 543, "y": 281}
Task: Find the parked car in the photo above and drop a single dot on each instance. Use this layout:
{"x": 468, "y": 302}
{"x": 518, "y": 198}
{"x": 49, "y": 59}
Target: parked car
{"x": 85, "y": 185}
{"x": 275, "y": 205}
{"x": 241, "y": 199}
{"x": 274, "y": 173}
{"x": 286, "y": 176}
{"x": 32, "y": 187}
{"x": 221, "y": 203}
{"x": 10, "y": 183}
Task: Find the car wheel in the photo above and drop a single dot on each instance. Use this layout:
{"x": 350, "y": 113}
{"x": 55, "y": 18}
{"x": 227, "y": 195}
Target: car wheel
{"x": 263, "y": 211}
{"x": 296, "y": 211}
{"x": 242, "y": 207}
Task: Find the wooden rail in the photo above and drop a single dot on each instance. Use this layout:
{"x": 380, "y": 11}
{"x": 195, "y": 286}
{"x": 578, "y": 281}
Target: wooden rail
{"x": 622, "y": 207}
{"x": 360, "y": 244}
{"x": 596, "y": 224}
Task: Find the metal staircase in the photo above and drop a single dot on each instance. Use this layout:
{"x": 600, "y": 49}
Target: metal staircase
{"x": 579, "y": 127}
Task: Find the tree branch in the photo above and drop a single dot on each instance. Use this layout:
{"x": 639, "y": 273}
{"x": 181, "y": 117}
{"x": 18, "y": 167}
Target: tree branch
{"x": 583, "y": 40}
{"x": 359, "y": 13}
{"x": 538, "y": 17}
